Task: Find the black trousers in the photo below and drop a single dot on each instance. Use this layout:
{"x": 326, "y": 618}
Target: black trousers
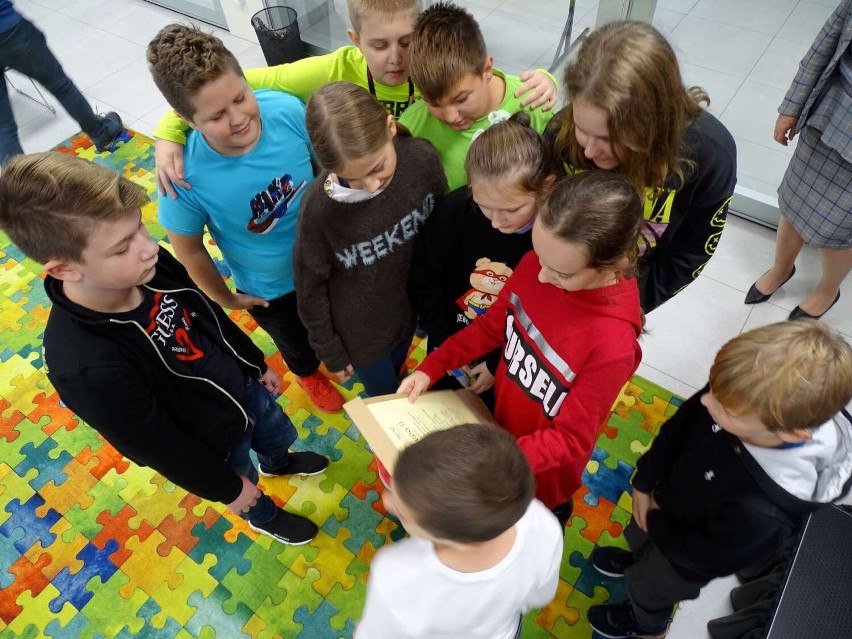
{"x": 652, "y": 583}
{"x": 281, "y": 320}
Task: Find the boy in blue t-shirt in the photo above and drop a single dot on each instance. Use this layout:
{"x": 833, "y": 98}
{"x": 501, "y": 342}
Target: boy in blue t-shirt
{"x": 249, "y": 161}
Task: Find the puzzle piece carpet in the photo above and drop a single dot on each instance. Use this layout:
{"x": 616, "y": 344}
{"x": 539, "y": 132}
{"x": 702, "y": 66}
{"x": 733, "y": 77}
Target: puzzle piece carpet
{"x": 93, "y": 547}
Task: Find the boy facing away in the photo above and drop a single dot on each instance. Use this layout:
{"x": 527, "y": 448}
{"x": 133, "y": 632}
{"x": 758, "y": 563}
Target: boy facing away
{"x": 462, "y": 91}
{"x": 249, "y": 160}
{"x": 729, "y": 479}
{"x": 377, "y": 60}
{"x": 139, "y": 353}
{"x": 482, "y": 552}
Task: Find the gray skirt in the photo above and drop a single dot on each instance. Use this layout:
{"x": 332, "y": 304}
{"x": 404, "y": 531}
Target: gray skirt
{"x": 815, "y": 195}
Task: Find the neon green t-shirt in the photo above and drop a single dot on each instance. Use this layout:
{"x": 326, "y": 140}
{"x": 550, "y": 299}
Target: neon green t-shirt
{"x": 302, "y": 78}
{"x": 452, "y": 145}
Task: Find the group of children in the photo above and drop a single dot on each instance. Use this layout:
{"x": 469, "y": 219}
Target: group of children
{"x": 335, "y": 221}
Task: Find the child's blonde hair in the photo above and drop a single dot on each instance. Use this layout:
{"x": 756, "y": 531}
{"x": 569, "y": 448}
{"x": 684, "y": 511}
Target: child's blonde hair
{"x": 793, "y": 375}
{"x": 630, "y": 71}
{"x": 600, "y": 211}
{"x": 182, "y": 59}
{"x": 447, "y": 45}
{"x": 51, "y": 202}
{"x": 511, "y": 153}
{"x": 359, "y": 9}
{"x": 344, "y": 123}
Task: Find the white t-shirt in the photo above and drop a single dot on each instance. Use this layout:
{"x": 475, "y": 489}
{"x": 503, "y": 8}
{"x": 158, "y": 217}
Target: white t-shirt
{"x": 411, "y": 593}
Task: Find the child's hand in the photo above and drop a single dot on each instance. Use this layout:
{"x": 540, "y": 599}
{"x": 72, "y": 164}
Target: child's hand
{"x": 271, "y": 382}
{"x": 414, "y": 384}
{"x": 643, "y": 503}
{"x": 484, "y": 378}
{"x": 345, "y": 375}
{"x": 244, "y": 300}
{"x": 541, "y": 89}
{"x": 248, "y": 497}
{"x": 168, "y": 156}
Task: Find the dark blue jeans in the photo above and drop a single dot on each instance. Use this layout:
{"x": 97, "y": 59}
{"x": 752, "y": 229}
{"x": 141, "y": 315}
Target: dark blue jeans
{"x": 270, "y": 435}
{"x": 382, "y": 377}
{"x": 24, "y": 49}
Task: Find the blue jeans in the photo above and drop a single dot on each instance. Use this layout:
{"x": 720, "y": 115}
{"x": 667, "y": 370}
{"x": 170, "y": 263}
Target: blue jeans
{"x": 270, "y": 435}
{"x": 382, "y": 377}
{"x": 24, "y": 49}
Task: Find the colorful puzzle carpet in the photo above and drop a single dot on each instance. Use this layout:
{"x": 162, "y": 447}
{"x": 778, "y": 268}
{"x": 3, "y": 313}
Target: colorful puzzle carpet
{"x": 92, "y": 546}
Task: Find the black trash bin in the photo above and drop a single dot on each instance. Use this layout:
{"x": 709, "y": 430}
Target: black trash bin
{"x": 277, "y": 30}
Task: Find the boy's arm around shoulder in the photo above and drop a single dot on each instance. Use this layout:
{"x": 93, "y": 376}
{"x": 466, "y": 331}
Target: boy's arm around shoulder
{"x": 300, "y": 78}
{"x": 117, "y": 402}
{"x": 666, "y": 446}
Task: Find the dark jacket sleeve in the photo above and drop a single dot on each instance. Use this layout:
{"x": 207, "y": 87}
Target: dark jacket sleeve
{"x": 117, "y": 403}
{"x": 657, "y": 461}
{"x": 427, "y": 281}
{"x": 698, "y": 213}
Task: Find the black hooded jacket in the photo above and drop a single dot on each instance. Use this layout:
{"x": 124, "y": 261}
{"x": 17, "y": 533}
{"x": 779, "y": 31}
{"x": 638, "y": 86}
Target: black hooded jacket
{"x": 155, "y": 413}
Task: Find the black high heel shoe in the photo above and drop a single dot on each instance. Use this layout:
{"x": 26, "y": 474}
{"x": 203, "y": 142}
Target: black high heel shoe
{"x": 798, "y": 313}
{"x": 754, "y": 296}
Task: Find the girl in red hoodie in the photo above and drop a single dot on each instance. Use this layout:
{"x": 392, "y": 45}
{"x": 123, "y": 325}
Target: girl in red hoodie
{"x": 567, "y": 322}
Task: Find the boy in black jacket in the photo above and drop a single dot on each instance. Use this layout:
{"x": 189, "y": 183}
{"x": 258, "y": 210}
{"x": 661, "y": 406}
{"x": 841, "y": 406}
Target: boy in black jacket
{"x": 137, "y": 351}
{"x": 731, "y": 476}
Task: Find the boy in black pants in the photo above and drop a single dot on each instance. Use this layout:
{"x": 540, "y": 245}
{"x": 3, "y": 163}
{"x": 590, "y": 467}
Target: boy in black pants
{"x": 137, "y": 351}
{"x": 732, "y": 475}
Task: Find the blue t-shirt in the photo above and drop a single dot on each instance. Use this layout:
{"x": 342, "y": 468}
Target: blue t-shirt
{"x": 249, "y": 203}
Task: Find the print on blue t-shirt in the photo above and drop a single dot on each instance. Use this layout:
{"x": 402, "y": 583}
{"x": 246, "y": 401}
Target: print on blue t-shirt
{"x": 249, "y": 203}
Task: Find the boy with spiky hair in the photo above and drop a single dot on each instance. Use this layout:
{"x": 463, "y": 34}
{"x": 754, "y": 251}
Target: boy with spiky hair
{"x": 730, "y": 478}
{"x": 462, "y": 91}
{"x": 482, "y": 552}
{"x": 249, "y": 157}
{"x": 139, "y": 353}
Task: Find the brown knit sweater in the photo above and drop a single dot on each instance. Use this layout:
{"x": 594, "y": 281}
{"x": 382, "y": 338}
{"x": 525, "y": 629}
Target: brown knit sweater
{"x": 351, "y": 260}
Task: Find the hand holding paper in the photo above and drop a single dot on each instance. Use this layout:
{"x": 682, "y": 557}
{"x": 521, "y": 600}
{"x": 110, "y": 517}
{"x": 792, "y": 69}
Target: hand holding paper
{"x": 414, "y": 384}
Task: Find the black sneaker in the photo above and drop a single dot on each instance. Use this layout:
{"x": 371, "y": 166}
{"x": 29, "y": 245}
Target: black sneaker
{"x": 304, "y": 463}
{"x": 617, "y": 622}
{"x": 113, "y": 126}
{"x": 288, "y": 529}
{"x": 610, "y": 561}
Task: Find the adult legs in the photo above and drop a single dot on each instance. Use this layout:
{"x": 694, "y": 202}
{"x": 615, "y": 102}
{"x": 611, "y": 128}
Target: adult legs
{"x": 788, "y": 243}
{"x": 836, "y": 264}
{"x": 24, "y": 49}
{"x": 9, "y": 143}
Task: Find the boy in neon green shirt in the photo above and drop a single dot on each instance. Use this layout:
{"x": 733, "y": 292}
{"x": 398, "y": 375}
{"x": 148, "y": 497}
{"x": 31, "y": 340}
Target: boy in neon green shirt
{"x": 377, "y": 60}
{"x": 462, "y": 92}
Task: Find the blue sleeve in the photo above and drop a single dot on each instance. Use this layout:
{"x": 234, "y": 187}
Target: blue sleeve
{"x": 182, "y": 216}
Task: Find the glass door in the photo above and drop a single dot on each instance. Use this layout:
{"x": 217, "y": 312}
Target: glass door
{"x": 206, "y": 10}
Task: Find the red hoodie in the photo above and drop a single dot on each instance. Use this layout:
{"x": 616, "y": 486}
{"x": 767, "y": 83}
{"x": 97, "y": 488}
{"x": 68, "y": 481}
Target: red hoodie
{"x": 566, "y": 356}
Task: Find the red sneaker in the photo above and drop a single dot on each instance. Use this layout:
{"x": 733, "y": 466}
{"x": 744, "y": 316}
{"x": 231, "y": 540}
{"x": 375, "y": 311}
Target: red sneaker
{"x": 324, "y": 396}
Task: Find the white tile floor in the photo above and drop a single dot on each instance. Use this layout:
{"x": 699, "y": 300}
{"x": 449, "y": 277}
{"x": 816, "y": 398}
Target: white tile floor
{"x": 744, "y": 53}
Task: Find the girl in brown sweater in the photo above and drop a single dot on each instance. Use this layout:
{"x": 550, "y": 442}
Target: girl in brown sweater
{"x": 356, "y": 235}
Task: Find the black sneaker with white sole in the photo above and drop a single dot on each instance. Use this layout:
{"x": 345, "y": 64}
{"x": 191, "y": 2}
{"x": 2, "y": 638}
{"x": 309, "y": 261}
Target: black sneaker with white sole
{"x": 616, "y": 621}
{"x": 287, "y": 528}
{"x": 304, "y": 463}
{"x": 610, "y": 561}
